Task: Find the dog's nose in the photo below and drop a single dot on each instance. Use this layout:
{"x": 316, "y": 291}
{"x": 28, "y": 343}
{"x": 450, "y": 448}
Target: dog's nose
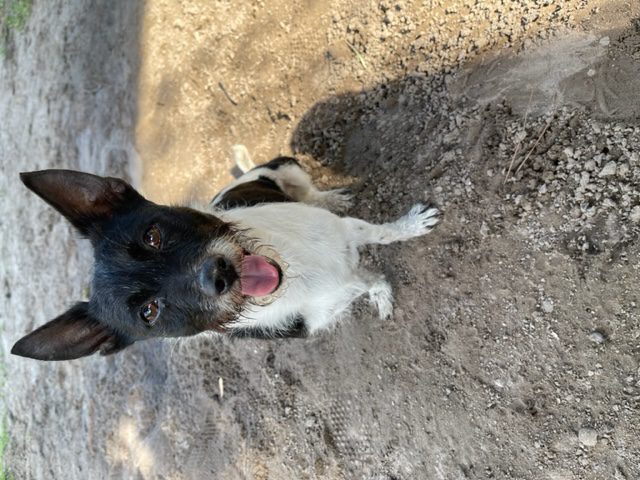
{"x": 217, "y": 275}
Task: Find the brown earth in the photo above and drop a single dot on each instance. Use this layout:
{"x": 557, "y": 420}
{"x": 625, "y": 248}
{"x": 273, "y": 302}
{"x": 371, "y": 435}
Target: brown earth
{"x": 514, "y": 348}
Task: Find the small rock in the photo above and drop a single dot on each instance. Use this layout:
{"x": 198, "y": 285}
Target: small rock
{"x": 597, "y": 337}
{"x": 584, "y": 180}
{"x": 568, "y": 152}
{"x": 609, "y": 169}
{"x": 547, "y": 306}
{"x": 588, "y": 437}
{"x": 484, "y": 229}
{"x": 604, "y": 41}
{"x": 634, "y": 216}
{"x": 623, "y": 169}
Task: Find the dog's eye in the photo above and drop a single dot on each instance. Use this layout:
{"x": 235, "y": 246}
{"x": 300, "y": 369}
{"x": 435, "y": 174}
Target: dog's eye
{"x": 150, "y": 312}
{"x": 153, "y": 238}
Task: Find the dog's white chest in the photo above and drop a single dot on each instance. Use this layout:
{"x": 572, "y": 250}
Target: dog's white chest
{"x": 319, "y": 262}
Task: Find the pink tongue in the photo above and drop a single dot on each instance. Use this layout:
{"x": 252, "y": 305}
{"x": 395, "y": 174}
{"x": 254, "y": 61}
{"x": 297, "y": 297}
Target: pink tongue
{"x": 258, "y": 277}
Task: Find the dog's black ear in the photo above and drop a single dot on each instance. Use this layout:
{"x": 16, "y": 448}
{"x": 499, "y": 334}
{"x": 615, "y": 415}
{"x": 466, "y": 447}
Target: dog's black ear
{"x": 73, "y": 334}
{"x": 82, "y": 198}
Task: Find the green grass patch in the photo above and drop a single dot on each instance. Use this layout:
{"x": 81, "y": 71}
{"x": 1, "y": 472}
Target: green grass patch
{"x": 13, "y": 17}
{"x": 15, "y": 13}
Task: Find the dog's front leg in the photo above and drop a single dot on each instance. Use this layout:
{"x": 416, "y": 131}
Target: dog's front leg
{"x": 379, "y": 291}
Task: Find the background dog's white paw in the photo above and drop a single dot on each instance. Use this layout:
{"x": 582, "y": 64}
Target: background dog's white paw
{"x": 419, "y": 221}
{"x": 381, "y": 296}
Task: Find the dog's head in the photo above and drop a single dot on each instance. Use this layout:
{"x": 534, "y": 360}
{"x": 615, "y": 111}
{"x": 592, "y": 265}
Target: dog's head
{"x": 159, "y": 271}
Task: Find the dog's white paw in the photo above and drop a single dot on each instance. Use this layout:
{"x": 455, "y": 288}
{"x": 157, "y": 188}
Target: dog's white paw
{"x": 381, "y": 296}
{"x": 419, "y": 221}
{"x": 338, "y": 200}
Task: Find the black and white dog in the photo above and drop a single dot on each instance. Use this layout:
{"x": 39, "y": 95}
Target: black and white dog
{"x": 266, "y": 259}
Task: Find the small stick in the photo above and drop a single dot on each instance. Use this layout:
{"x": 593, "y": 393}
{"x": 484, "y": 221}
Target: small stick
{"x": 517, "y": 149}
{"x": 535, "y": 144}
{"x": 226, "y": 94}
{"x": 357, "y": 54}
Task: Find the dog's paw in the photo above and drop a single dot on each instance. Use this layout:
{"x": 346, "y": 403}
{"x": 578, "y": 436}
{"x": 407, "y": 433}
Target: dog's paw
{"x": 338, "y": 200}
{"x": 419, "y": 221}
{"x": 381, "y": 296}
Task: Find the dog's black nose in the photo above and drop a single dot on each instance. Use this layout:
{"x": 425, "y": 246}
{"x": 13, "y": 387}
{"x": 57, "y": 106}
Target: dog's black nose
{"x": 217, "y": 275}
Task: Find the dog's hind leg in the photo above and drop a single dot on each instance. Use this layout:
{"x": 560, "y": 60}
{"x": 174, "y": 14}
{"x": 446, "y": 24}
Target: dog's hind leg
{"x": 289, "y": 176}
{"x": 420, "y": 220}
{"x": 297, "y": 183}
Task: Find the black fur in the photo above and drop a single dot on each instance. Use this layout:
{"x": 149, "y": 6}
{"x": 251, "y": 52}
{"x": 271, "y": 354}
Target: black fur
{"x": 296, "y": 329}
{"x": 73, "y": 334}
{"x": 278, "y": 162}
{"x": 130, "y": 273}
{"x": 249, "y": 194}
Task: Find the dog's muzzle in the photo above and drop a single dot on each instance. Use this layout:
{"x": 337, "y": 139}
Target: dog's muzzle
{"x": 217, "y": 275}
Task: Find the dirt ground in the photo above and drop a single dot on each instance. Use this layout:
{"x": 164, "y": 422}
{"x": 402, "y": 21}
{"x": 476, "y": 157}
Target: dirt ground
{"x": 514, "y": 350}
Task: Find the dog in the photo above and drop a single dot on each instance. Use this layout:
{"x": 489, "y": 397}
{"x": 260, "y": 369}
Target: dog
{"x": 268, "y": 258}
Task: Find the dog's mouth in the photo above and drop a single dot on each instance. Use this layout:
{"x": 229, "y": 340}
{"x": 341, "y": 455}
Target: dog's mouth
{"x": 259, "y": 276}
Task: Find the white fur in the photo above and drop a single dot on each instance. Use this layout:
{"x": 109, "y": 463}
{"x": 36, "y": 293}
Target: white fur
{"x": 321, "y": 250}
{"x": 241, "y": 157}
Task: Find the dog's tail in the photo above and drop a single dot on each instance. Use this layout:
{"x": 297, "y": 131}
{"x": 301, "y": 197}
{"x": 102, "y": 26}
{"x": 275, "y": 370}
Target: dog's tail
{"x": 241, "y": 157}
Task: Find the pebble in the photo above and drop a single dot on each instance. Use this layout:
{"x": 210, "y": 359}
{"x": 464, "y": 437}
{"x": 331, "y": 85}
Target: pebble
{"x": 623, "y": 169}
{"x": 597, "y": 337}
{"x": 588, "y": 437}
{"x": 608, "y": 170}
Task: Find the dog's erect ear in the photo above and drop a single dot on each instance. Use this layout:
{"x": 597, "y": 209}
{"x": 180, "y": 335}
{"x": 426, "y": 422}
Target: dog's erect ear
{"x": 73, "y": 334}
{"x": 82, "y": 198}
